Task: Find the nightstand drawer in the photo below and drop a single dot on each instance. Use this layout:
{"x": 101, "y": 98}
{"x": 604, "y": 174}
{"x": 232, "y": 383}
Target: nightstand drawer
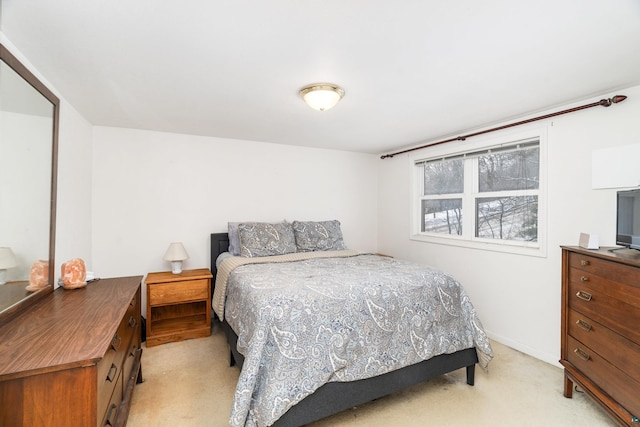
{"x": 171, "y": 293}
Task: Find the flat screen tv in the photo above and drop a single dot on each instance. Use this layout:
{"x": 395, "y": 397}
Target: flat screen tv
{"x": 628, "y": 219}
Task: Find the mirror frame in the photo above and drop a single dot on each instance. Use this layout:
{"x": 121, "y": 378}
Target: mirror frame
{"x": 13, "y": 63}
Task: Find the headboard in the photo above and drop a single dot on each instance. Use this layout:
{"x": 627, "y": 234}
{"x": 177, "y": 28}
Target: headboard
{"x": 219, "y": 244}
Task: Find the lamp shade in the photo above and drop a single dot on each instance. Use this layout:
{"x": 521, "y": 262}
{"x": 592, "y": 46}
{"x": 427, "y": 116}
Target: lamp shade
{"x": 321, "y": 96}
{"x": 176, "y": 252}
{"x": 7, "y": 258}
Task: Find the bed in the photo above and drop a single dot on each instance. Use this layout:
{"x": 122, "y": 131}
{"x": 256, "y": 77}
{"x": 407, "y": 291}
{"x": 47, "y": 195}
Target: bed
{"x": 299, "y": 397}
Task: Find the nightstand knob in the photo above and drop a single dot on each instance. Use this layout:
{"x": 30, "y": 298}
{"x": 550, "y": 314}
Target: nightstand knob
{"x": 584, "y": 262}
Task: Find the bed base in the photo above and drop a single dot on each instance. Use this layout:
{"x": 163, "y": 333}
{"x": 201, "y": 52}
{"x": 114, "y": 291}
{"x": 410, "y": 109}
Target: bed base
{"x": 335, "y": 397}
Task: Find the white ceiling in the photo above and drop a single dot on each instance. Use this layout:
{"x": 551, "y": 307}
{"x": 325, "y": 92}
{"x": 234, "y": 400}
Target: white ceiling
{"x": 413, "y": 70}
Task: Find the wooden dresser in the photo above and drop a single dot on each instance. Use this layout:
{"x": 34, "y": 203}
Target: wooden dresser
{"x": 73, "y": 358}
{"x": 600, "y": 342}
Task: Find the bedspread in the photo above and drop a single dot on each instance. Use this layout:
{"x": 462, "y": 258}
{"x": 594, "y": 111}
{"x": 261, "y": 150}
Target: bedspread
{"x": 305, "y": 323}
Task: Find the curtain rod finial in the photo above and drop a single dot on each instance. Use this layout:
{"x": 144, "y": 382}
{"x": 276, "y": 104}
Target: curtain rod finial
{"x": 618, "y": 98}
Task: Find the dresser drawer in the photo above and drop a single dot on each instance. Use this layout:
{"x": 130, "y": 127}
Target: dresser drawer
{"x": 609, "y": 285}
{"x": 606, "y": 303}
{"x": 110, "y": 367}
{"x": 184, "y": 291}
{"x": 122, "y": 339}
{"x": 130, "y": 358}
{"x": 617, "y": 350}
{"x": 107, "y": 386}
{"x": 110, "y": 415}
{"x": 611, "y": 271}
{"x": 609, "y": 378}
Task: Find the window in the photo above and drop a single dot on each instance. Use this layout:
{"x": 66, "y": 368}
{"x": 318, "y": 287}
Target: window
{"x": 485, "y": 196}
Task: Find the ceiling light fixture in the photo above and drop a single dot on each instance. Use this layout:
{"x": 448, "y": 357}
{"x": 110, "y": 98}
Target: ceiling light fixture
{"x": 321, "y": 96}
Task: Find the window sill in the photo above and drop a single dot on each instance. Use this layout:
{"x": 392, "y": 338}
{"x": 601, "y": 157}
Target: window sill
{"x": 510, "y": 248}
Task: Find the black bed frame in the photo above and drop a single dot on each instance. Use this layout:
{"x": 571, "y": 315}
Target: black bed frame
{"x": 335, "y": 397}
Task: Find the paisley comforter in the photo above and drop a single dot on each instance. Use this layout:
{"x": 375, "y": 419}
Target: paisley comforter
{"x": 304, "y": 323}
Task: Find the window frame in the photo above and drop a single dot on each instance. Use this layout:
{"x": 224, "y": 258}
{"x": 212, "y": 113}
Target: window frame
{"x": 468, "y": 239}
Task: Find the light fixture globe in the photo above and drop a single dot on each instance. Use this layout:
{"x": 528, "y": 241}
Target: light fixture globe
{"x": 321, "y": 96}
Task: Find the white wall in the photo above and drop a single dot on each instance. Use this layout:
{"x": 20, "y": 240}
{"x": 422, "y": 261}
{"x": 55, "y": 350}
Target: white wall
{"x": 152, "y": 188}
{"x": 73, "y": 217}
{"x": 518, "y": 297}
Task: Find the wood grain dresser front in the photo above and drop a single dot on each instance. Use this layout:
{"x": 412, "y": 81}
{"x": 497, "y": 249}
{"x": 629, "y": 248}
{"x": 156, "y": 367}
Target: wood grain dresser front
{"x": 74, "y": 358}
{"x": 600, "y": 334}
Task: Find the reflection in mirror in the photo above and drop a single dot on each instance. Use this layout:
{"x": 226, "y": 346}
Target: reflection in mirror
{"x": 28, "y": 155}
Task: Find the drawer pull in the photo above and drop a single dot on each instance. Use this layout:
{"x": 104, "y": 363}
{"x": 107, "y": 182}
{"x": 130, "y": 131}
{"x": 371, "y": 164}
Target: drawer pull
{"x": 635, "y": 419}
{"x": 111, "y": 415}
{"x": 112, "y": 373}
{"x": 584, "y": 325}
{"x": 581, "y": 354}
{"x": 115, "y": 342}
{"x": 584, "y": 262}
{"x": 132, "y": 322}
{"x": 584, "y": 279}
{"x": 584, "y": 295}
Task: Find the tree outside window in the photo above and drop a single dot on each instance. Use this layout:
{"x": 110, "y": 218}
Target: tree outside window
{"x": 499, "y": 202}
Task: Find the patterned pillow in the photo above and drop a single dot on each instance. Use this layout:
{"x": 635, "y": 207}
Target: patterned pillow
{"x": 263, "y": 239}
{"x": 318, "y": 236}
{"x": 234, "y": 238}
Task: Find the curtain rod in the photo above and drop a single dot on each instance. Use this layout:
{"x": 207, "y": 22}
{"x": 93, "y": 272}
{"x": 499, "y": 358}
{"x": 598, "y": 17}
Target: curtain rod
{"x": 603, "y": 102}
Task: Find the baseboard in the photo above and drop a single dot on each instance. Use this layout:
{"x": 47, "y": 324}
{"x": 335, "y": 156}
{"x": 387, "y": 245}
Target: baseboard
{"x": 552, "y": 359}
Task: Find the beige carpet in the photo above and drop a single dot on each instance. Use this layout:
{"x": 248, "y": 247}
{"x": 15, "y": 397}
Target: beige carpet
{"x": 189, "y": 383}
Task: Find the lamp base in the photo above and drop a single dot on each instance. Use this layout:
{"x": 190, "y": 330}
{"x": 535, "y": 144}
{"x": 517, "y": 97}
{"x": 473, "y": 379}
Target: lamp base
{"x": 176, "y": 267}
{"x": 3, "y": 276}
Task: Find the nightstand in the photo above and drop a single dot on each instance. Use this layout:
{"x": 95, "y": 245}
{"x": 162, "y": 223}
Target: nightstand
{"x": 178, "y": 305}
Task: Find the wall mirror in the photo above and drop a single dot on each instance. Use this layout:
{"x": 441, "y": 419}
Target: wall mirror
{"x": 29, "y": 115}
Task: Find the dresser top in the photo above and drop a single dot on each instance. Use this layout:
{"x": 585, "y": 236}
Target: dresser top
{"x": 617, "y": 254}
{"x": 70, "y": 328}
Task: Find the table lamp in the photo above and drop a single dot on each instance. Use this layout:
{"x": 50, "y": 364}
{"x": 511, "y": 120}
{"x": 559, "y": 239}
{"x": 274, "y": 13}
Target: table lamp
{"x": 176, "y": 253}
